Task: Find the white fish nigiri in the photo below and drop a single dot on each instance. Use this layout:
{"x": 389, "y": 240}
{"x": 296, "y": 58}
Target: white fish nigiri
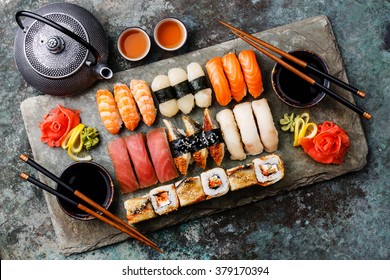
{"x": 248, "y": 129}
{"x": 197, "y": 79}
{"x": 265, "y": 123}
{"x": 165, "y": 95}
{"x": 185, "y": 98}
{"x": 230, "y": 133}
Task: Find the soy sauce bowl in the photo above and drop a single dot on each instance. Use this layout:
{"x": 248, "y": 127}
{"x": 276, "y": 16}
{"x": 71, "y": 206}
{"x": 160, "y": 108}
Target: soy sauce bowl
{"x": 293, "y": 90}
{"x": 92, "y": 180}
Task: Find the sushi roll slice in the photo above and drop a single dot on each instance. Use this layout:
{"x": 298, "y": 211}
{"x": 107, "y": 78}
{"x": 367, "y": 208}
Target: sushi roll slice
{"x": 265, "y": 123}
{"x": 139, "y": 209}
{"x": 180, "y": 147}
{"x": 242, "y": 176}
{"x": 190, "y": 191}
{"x": 248, "y": 129}
{"x": 198, "y": 143}
{"x": 165, "y": 96}
{"x": 164, "y": 199}
{"x": 197, "y": 80}
{"x": 217, "y": 148}
{"x": 230, "y": 133}
{"x": 185, "y": 98}
{"x": 214, "y": 182}
{"x": 269, "y": 169}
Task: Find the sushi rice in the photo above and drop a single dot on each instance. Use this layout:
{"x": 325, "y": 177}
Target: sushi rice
{"x": 214, "y": 182}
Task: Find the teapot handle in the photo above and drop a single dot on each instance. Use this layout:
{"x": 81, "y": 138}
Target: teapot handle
{"x": 60, "y": 28}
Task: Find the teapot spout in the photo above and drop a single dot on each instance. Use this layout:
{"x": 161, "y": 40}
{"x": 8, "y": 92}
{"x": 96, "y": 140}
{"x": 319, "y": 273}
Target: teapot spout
{"x": 103, "y": 72}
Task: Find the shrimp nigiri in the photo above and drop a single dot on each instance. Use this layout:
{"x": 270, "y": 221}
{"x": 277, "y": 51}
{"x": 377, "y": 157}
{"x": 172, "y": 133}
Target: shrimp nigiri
{"x": 232, "y": 69}
{"x": 142, "y": 95}
{"x": 126, "y": 106}
{"x": 252, "y": 73}
{"x": 218, "y": 81}
{"x": 108, "y": 110}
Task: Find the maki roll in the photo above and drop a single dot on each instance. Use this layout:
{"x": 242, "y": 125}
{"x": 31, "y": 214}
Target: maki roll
{"x": 164, "y": 199}
{"x": 190, "y": 191}
{"x": 185, "y": 98}
{"x": 197, "y": 80}
{"x": 139, "y": 209}
{"x": 165, "y": 95}
{"x": 214, "y": 182}
{"x": 269, "y": 169}
{"x": 242, "y": 176}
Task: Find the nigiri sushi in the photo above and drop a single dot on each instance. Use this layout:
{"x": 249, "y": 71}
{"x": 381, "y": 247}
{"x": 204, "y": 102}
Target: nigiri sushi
{"x": 179, "y": 147}
{"x": 251, "y": 71}
{"x": 214, "y": 182}
{"x": 197, "y": 79}
{"x": 142, "y": 95}
{"x": 217, "y": 149}
{"x": 165, "y": 95}
{"x": 265, "y": 123}
{"x": 269, "y": 169}
{"x": 233, "y": 72}
{"x": 126, "y": 106}
{"x": 248, "y": 130}
{"x": 219, "y": 81}
{"x": 139, "y": 209}
{"x": 200, "y": 154}
{"x": 185, "y": 98}
{"x": 164, "y": 199}
{"x": 230, "y": 133}
{"x": 108, "y": 111}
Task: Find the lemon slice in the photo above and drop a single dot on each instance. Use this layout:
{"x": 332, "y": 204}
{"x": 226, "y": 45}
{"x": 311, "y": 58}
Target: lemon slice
{"x": 311, "y": 130}
{"x": 65, "y": 142}
{"x": 80, "y": 157}
{"x": 300, "y": 129}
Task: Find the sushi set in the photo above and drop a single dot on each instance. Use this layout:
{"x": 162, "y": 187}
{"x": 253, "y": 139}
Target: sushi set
{"x": 223, "y": 175}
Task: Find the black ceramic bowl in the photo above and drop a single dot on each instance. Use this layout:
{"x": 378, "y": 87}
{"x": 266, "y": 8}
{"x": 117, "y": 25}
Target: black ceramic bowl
{"x": 92, "y": 180}
{"x": 292, "y": 89}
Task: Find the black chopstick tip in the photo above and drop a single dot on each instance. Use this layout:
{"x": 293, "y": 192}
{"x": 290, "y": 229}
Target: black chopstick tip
{"x": 23, "y": 157}
{"x": 24, "y": 176}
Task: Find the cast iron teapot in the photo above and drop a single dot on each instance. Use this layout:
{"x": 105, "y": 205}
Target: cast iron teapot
{"x": 61, "y": 49}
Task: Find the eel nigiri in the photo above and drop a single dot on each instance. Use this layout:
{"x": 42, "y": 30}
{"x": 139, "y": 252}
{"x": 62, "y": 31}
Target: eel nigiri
{"x": 160, "y": 154}
{"x": 233, "y": 72}
{"x": 268, "y": 133}
{"x": 165, "y": 95}
{"x": 197, "y": 79}
{"x": 108, "y": 110}
{"x": 217, "y": 151}
{"x": 218, "y": 81}
{"x": 193, "y": 128}
{"x": 126, "y": 106}
{"x": 231, "y": 135}
{"x": 248, "y": 129}
{"x": 179, "y": 147}
{"x": 185, "y": 98}
{"x": 142, "y": 95}
{"x": 252, "y": 73}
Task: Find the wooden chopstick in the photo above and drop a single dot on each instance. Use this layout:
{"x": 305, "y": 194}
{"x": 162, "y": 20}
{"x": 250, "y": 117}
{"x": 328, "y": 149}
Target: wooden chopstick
{"x": 121, "y": 225}
{"x": 298, "y": 61}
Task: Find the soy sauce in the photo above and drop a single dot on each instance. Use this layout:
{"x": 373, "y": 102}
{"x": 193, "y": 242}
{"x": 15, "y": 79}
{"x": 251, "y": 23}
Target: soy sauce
{"x": 88, "y": 179}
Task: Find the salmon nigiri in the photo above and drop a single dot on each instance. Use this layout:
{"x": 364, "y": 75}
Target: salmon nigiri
{"x": 252, "y": 73}
{"x": 126, "y": 105}
{"x": 108, "y": 111}
{"x": 218, "y": 81}
{"x": 232, "y": 69}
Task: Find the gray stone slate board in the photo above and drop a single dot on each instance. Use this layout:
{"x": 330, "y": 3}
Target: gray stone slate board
{"x": 314, "y": 34}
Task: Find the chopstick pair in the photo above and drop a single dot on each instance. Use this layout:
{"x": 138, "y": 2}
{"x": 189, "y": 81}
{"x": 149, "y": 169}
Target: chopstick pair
{"x": 115, "y": 221}
{"x": 253, "y": 41}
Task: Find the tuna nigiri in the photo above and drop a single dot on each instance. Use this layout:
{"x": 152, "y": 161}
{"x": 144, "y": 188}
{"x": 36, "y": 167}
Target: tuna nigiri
{"x": 233, "y": 73}
{"x": 122, "y": 165}
{"x": 218, "y": 81}
{"x": 108, "y": 110}
{"x": 142, "y": 95}
{"x": 126, "y": 106}
{"x": 252, "y": 73}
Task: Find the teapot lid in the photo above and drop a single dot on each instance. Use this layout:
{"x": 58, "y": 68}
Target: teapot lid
{"x": 50, "y": 52}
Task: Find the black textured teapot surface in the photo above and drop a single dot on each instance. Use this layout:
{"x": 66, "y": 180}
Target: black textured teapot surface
{"x": 61, "y": 49}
